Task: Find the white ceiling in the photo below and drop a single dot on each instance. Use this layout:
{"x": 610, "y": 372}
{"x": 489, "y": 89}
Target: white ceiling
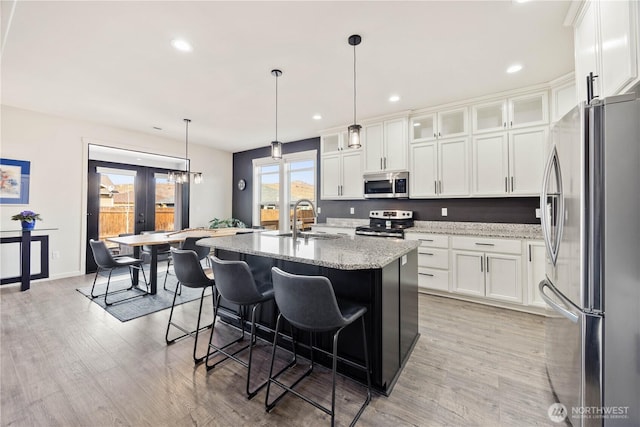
{"x": 112, "y": 62}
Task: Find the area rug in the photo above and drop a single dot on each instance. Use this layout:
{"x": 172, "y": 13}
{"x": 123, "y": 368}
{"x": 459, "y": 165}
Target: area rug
{"x": 137, "y": 307}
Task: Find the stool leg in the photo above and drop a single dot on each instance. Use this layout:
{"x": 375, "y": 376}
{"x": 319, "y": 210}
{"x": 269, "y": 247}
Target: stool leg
{"x": 273, "y": 357}
{"x": 166, "y": 336}
{"x": 94, "y": 283}
{"x": 252, "y": 341}
{"x": 334, "y": 367}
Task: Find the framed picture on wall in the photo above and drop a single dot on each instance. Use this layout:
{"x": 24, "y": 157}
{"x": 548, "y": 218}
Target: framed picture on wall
{"x": 14, "y": 181}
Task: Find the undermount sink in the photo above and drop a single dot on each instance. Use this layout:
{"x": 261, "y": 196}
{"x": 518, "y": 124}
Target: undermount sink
{"x": 304, "y": 235}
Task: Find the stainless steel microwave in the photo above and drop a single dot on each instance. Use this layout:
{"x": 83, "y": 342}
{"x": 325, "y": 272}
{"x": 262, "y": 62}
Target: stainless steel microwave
{"x": 391, "y": 185}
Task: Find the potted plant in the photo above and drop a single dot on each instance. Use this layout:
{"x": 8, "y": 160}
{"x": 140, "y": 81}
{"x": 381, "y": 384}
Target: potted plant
{"x": 226, "y": 223}
{"x": 28, "y": 219}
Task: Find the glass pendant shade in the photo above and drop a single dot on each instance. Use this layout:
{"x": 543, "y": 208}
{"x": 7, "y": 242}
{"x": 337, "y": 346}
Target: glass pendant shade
{"x": 354, "y": 136}
{"x": 198, "y": 178}
{"x": 276, "y": 150}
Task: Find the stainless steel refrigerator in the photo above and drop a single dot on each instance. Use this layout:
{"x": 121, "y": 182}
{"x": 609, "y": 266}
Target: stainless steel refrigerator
{"x": 591, "y": 224}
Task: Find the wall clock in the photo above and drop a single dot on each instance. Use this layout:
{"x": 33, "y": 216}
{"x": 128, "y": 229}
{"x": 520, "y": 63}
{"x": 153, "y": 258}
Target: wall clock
{"x": 242, "y": 184}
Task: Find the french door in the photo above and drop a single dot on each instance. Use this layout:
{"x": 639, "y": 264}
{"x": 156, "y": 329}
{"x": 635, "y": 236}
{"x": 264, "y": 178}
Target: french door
{"x": 129, "y": 199}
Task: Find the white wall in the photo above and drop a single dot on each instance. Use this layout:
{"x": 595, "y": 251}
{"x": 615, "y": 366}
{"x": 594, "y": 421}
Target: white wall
{"x": 57, "y": 150}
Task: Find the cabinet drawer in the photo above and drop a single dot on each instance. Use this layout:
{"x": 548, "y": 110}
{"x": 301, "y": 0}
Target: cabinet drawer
{"x": 433, "y": 279}
{"x": 483, "y": 244}
{"x": 431, "y": 240}
{"x": 433, "y": 258}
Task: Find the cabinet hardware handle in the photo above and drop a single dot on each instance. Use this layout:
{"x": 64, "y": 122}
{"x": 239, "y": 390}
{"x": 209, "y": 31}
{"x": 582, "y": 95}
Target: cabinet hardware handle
{"x": 529, "y": 252}
{"x": 426, "y": 253}
{"x": 481, "y": 264}
{"x": 511, "y": 123}
{"x": 506, "y": 185}
{"x": 426, "y": 274}
{"x": 439, "y": 133}
{"x": 426, "y": 240}
{"x": 380, "y": 162}
{"x": 487, "y": 264}
{"x": 440, "y": 185}
{"x": 385, "y": 163}
{"x": 512, "y": 184}
{"x": 435, "y": 187}
{"x": 434, "y": 135}
{"x": 485, "y": 244}
{"x": 504, "y": 124}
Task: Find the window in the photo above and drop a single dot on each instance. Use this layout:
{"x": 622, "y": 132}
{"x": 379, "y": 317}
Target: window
{"x": 281, "y": 183}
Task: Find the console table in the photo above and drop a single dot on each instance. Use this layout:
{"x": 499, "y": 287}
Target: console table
{"x": 25, "y": 240}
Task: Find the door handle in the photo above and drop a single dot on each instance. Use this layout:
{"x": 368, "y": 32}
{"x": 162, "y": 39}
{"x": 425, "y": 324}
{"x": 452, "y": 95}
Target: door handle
{"x": 512, "y": 184}
{"x": 385, "y": 163}
{"x": 487, "y": 259}
{"x": 485, "y": 244}
{"x": 426, "y": 274}
{"x": 506, "y": 185}
{"x": 481, "y": 264}
{"x": 381, "y": 163}
{"x": 557, "y": 307}
{"x": 435, "y": 187}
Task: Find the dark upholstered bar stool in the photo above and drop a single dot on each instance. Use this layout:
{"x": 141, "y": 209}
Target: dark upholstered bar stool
{"x": 189, "y": 244}
{"x": 189, "y": 273}
{"x": 235, "y": 283}
{"x": 309, "y": 304}
{"x": 106, "y": 261}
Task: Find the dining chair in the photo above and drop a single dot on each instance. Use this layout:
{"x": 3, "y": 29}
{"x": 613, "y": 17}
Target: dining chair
{"x": 308, "y": 303}
{"x": 189, "y": 244}
{"x": 189, "y": 273}
{"x": 107, "y": 262}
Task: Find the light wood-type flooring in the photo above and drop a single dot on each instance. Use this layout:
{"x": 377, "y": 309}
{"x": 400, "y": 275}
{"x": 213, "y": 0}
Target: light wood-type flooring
{"x": 66, "y": 362}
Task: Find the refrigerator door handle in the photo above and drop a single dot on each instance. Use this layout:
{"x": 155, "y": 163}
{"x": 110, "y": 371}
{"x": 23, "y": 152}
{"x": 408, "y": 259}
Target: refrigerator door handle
{"x": 557, "y": 307}
{"x": 553, "y": 218}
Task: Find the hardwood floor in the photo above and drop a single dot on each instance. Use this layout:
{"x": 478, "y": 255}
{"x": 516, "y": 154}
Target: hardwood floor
{"x": 66, "y": 362}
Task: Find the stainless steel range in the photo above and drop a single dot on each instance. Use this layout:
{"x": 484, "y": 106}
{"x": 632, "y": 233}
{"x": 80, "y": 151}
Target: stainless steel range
{"x": 390, "y": 223}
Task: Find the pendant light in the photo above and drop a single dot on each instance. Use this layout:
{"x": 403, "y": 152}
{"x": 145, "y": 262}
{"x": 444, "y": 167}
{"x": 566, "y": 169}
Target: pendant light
{"x": 354, "y": 129}
{"x": 183, "y": 177}
{"x": 276, "y": 146}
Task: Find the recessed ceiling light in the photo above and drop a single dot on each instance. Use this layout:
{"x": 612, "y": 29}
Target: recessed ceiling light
{"x": 181, "y": 45}
{"x": 521, "y": 1}
{"x": 394, "y": 98}
{"x": 317, "y": 117}
{"x": 514, "y": 68}
{"x": 416, "y": 124}
{"x": 157, "y": 128}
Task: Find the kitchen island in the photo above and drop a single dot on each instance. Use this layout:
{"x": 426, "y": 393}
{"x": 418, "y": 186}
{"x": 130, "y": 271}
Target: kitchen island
{"x": 381, "y": 274}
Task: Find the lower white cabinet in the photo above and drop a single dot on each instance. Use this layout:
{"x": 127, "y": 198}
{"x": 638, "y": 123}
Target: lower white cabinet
{"x": 536, "y": 266}
{"x": 491, "y": 269}
{"x": 319, "y": 228}
{"x": 433, "y": 261}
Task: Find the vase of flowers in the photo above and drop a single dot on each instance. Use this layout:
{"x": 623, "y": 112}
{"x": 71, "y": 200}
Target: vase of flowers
{"x": 28, "y": 219}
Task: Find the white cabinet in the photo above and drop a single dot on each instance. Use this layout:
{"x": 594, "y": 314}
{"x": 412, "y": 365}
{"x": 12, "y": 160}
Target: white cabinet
{"x": 341, "y": 175}
{"x": 321, "y": 228}
{"x": 487, "y": 268}
{"x": 444, "y": 124}
{"x": 536, "y": 266}
{"x": 385, "y": 145}
{"x": 439, "y": 168}
{"x": 509, "y": 163}
{"x": 433, "y": 261}
{"x": 606, "y": 44}
{"x": 333, "y": 142}
{"x": 512, "y": 113}
{"x": 563, "y": 99}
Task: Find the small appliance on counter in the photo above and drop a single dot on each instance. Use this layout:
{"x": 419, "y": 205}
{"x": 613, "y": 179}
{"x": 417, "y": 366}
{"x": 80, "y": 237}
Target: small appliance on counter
{"x": 390, "y": 223}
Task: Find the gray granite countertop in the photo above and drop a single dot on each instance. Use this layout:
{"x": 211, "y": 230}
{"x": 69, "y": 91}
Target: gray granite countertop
{"x": 481, "y": 229}
{"x": 341, "y": 252}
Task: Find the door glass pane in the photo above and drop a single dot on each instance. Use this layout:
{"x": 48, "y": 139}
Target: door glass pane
{"x": 117, "y": 205}
{"x": 165, "y": 203}
{"x": 528, "y": 110}
{"x": 269, "y": 199}
{"x": 423, "y": 127}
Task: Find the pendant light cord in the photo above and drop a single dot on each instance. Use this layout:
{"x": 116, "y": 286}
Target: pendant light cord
{"x": 186, "y": 146}
{"x": 276, "y": 106}
{"x": 354, "y": 83}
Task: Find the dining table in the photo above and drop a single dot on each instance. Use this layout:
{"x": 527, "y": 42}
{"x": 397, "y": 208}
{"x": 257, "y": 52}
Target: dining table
{"x": 154, "y": 240}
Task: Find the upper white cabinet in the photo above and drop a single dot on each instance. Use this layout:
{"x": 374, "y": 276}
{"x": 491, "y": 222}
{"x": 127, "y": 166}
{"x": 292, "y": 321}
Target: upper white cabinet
{"x": 385, "y": 145}
{"x": 341, "y": 175}
{"x": 512, "y": 113}
{"x": 332, "y": 143}
{"x": 563, "y": 98}
{"x": 444, "y": 124}
{"x": 606, "y": 44}
{"x": 509, "y": 163}
{"x": 439, "y": 168}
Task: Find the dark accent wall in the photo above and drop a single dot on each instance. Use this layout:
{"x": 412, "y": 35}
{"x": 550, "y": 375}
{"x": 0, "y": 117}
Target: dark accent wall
{"x": 519, "y": 210}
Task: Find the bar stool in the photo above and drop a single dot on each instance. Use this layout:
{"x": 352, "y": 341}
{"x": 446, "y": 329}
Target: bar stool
{"x": 235, "y": 283}
{"x": 106, "y": 261}
{"x": 189, "y": 244}
{"x": 189, "y": 273}
{"x": 309, "y": 304}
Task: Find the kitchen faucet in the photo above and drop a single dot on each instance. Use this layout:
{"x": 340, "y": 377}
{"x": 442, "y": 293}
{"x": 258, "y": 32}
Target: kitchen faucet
{"x": 295, "y": 216}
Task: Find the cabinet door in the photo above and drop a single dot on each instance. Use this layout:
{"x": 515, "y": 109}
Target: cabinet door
{"x": 529, "y": 110}
{"x": 586, "y": 50}
{"x": 618, "y": 37}
{"x": 490, "y": 164}
{"x": 352, "y": 182}
{"x": 373, "y": 147}
{"x": 330, "y": 143}
{"x": 423, "y": 128}
{"x": 504, "y": 277}
{"x": 468, "y": 273}
{"x": 423, "y": 171}
{"x": 433, "y": 279}
{"x": 489, "y": 117}
{"x": 330, "y": 176}
{"x": 536, "y": 266}
{"x": 527, "y": 160}
{"x": 452, "y": 123}
{"x": 396, "y": 144}
{"x": 563, "y": 99}
{"x": 454, "y": 167}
